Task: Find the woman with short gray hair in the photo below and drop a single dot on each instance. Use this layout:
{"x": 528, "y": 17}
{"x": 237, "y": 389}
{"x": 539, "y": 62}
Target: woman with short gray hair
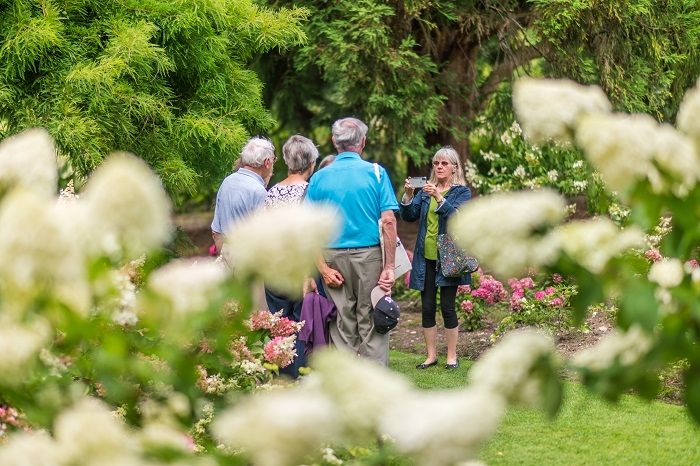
{"x": 300, "y": 155}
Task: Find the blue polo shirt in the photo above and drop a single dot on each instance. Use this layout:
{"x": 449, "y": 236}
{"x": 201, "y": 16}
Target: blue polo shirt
{"x": 241, "y": 193}
{"x": 350, "y": 184}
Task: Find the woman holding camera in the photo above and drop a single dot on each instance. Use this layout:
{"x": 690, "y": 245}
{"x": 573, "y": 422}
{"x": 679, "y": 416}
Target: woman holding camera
{"x": 443, "y": 193}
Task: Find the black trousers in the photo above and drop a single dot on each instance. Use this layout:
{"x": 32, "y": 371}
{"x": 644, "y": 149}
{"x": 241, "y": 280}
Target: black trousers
{"x": 448, "y": 296}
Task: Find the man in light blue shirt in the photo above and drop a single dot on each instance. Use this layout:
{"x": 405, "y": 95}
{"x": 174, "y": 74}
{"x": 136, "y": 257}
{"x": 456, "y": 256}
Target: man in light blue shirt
{"x": 243, "y": 191}
{"x": 353, "y": 264}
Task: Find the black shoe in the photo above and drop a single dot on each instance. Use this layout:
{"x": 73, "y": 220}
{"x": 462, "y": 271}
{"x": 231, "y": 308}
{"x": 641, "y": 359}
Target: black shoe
{"x": 425, "y": 366}
{"x": 452, "y": 366}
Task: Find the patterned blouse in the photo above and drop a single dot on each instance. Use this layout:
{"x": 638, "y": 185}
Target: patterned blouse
{"x": 279, "y": 195}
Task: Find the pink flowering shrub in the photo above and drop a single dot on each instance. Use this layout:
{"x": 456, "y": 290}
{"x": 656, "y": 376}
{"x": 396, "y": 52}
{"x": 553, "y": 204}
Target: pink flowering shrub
{"x": 537, "y": 300}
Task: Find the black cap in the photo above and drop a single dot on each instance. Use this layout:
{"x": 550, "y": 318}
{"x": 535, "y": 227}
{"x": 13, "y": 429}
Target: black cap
{"x": 386, "y": 311}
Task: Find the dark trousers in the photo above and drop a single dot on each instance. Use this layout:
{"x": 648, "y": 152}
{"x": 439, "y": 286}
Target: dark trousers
{"x": 448, "y": 296}
{"x": 292, "y": 310}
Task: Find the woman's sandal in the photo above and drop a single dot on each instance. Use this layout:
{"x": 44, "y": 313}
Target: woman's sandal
{"x": 425, "y": 366}
{"x": 452, "y": 366}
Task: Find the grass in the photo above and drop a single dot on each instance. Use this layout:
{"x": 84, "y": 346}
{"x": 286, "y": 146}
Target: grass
{"x": 587, "y": 431}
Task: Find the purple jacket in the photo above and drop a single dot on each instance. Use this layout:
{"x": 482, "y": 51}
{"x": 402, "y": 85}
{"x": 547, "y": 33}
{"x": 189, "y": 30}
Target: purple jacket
{"x": 317, "y": 313}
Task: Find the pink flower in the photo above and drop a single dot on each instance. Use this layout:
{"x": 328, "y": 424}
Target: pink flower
{"x": 464, "y": 289}
{"x": 556, "y": 278}
{"x": 692, "y": 263}
{"x": 467, "y": 306}
{"x": 239, "y": 350}
{"x": 550, "y": 290}
{"x": 539, "y": 295}
{"x": 280, "y": 351}
{"x": 491, "y": 291}
{"x": 556, "y": 302}
{"x": 653, "y": 255}
{"x": 285, "y": 327}
{"x": 527, "y": 283}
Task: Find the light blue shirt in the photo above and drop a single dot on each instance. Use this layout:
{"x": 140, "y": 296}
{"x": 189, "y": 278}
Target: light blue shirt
{"x": 240, "y": 194}
{"x": 350, "y": 184}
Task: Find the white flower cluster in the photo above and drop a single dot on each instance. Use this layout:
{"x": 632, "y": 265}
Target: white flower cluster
{"x": 550, "y": 109}
{"x": 88, "y": 433}
{"x": 628, "y": 148}
{"x": 347, "y": 399}
{"x": 19, "y": 345}
{"x": 506, "y": 369}
{"x": 187, "y": 286}
{"x": 28, "y": 160}
{"x": 507, "y": 232}
{"x": 593, "y": 242}
{"x": 281, "y": 246}
{"x": 667, "y": 273}
{"x": 627, "y": 348}
{"x": 687, "y": 118}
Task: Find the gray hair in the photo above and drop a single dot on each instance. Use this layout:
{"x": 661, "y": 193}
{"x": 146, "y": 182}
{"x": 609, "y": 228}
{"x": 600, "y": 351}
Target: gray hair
{"x": 298, "y": 153}
{"x": 256, "y": 151}
{"x": 348, "y": 132}
{"x": 448, "y": 152}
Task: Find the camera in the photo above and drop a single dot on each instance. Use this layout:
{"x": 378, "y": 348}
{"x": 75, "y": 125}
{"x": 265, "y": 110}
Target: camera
{"x": 417, "y": 181}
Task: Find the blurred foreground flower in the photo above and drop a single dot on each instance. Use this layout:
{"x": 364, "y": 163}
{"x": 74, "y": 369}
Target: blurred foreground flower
{"x": 668, "y": 273}
{"x": 625, "y": 347}
{"x": 507, "y": 368}
{"x": 127, "y": 207}
{"x": 548, "y": 110}
{"x": 28, "y": 160}
{"x": 592, "y": 243}
{"x": 281, "y": 246}
{"x": 509, "y": 232}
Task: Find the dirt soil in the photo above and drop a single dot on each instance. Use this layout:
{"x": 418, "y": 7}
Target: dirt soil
{"x": 408, "y": 335}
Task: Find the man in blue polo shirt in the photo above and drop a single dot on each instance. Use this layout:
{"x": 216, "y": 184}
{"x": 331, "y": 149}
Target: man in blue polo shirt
{"x": 353, "y": 264}
{"x": 243, "y": 191}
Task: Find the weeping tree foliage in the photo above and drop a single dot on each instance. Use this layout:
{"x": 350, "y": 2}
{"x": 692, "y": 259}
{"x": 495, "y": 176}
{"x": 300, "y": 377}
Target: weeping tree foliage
{"x": 166, "y": 80}
{"x": 424, "y": 73}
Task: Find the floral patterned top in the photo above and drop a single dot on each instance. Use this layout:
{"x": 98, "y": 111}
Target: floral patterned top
{"x": 279, "y": 195}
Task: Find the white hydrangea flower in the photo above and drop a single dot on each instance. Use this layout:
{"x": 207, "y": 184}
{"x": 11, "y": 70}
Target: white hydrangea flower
{"x": 38, "y": 243}
{"x": 281, "y": 246}
{"x": 128, "y": 207}
{"x": 688, "y": 112}
{"x": 156, "y": 436}
{"x": 362, "y": 390}
{"x": 549, "y": 109}
{"x": 593, "y": 242}
{"x": 505, "y": 230}
{"x": 279, "y": 427}
{"x": 628, "y": 347}
{"x": 506, "y": 369}
{"x": 443, "y": 428}
{"x": 20, "y": 345}
{"x": 667, "y": 273}
{"x": 188, "y": 286}
{"x": 88, "y": 430}
{"x": 29, "y": 449}
{"x": 28, "y": 160}
{"x": 628, "y": 148}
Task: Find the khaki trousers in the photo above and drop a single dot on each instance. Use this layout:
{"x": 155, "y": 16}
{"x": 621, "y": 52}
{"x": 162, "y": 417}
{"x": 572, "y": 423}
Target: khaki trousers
{"x": 353, "y": 329}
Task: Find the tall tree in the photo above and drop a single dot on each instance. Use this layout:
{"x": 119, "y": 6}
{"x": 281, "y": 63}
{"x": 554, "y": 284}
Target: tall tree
{"x": 167, "y": 80}
{"x": 422, "y": 71}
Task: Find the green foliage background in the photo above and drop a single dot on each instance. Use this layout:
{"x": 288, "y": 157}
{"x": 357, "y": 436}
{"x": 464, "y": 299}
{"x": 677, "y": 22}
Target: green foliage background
{"x": 168, "y": 81}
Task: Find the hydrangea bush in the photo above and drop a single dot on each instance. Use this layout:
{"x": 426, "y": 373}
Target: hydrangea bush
{"x": 112, "y": 353}
{"x": 531, "y": 301}
{"x": 654, "y": 170}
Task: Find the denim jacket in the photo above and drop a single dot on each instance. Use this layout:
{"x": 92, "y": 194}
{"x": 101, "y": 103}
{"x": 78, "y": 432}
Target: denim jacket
{"x": 418, "y": 210}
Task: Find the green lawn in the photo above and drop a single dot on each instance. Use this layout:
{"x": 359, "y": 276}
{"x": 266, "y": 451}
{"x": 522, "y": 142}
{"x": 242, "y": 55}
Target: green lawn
{"x": 587, "y": 431}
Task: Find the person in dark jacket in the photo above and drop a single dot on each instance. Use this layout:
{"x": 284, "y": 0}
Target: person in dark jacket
{"x": 442, "y": 195}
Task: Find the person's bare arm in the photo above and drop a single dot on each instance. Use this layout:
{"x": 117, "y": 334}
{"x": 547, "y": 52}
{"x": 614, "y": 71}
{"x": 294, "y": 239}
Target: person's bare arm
{"x": 387, "y": 279}
{"x": 218, "y": 241}
{"x": 331, "y": 277}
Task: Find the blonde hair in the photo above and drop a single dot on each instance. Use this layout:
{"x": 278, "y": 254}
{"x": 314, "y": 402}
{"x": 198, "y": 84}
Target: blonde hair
{"x": 447, "y": 152}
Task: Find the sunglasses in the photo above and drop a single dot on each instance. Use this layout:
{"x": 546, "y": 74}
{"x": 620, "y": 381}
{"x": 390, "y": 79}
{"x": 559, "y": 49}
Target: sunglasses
{"x": 444, "y": 163}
